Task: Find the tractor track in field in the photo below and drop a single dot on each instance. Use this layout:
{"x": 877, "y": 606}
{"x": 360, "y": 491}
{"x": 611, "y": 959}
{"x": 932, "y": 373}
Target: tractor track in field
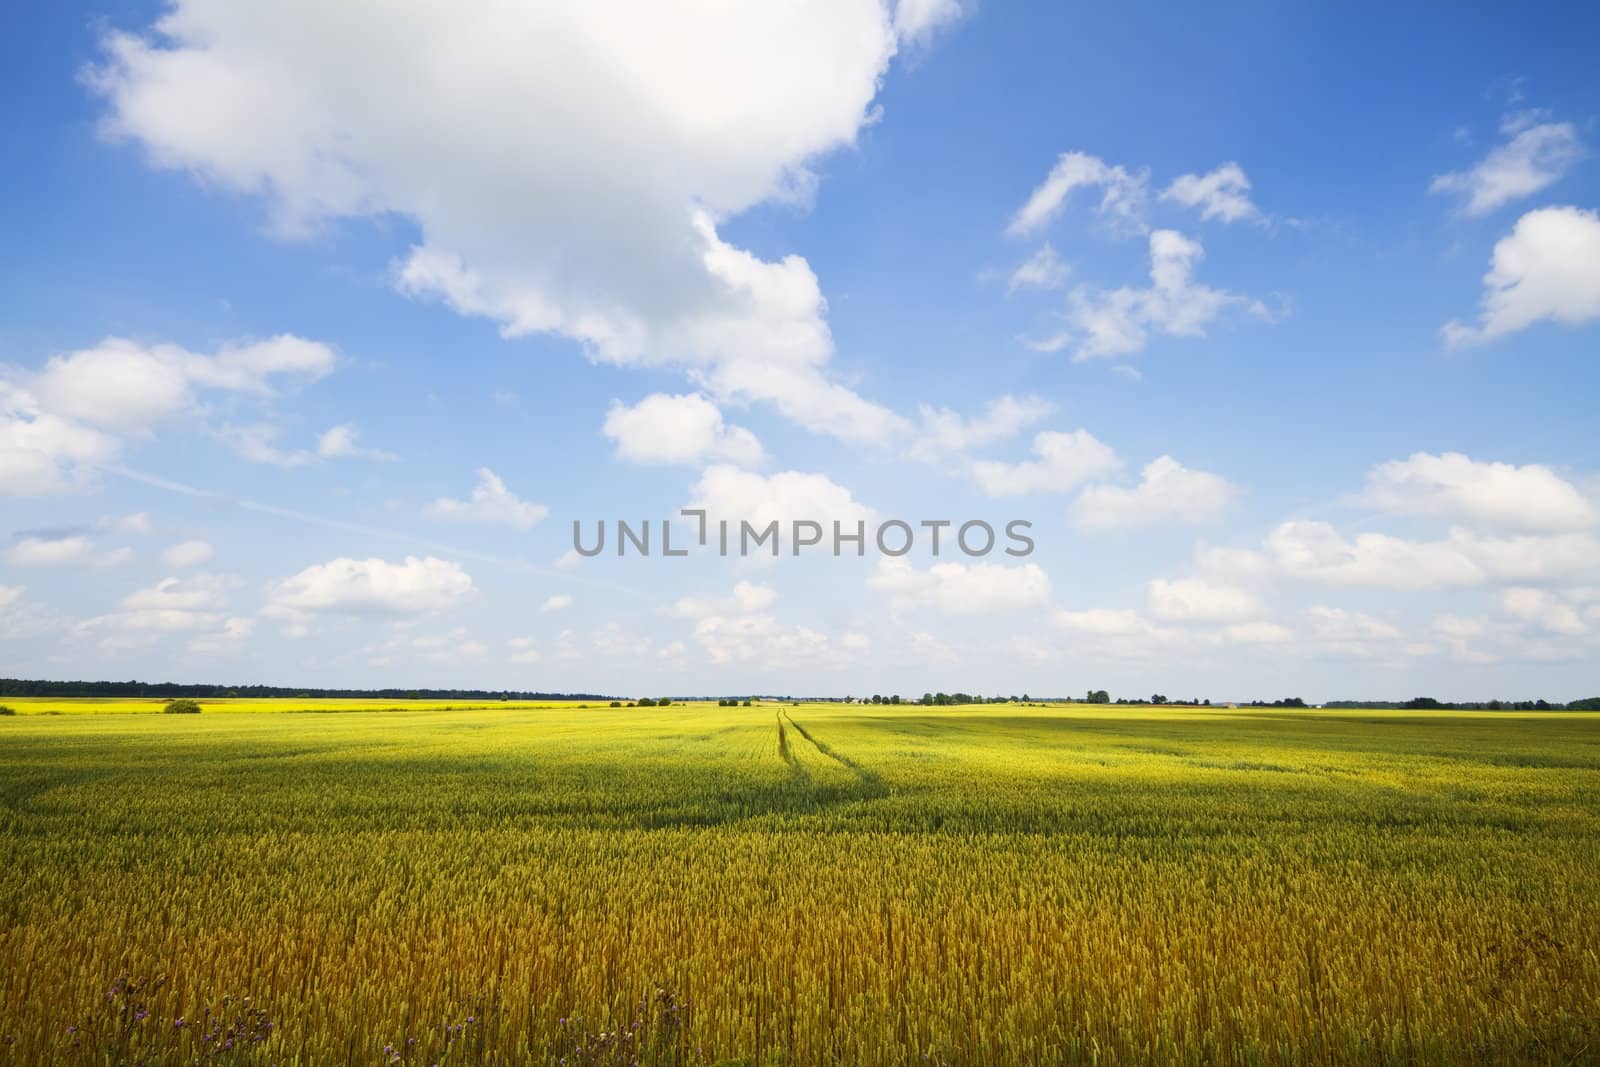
{"x": 872, "y": 784}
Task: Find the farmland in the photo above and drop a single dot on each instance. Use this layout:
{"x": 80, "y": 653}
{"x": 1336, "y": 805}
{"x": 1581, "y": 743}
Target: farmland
{"x": 796, "y": 885}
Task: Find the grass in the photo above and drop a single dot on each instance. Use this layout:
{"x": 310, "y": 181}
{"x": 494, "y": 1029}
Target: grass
{"x": 799, "y": 885}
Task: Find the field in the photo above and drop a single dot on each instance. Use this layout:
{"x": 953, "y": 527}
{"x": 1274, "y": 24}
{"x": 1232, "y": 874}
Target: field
{"x": 798, "y": 885}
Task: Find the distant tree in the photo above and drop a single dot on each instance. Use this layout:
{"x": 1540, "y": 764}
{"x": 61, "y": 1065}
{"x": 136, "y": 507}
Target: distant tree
{"x": 1098, "y": 696}
{"x": 1422, "y": 704}
{"x": 7, "y": 709}
{"x": 662, "y": 702}
{"x": 1208, "y": 702}
{"x": 182, "y": 707}
{"x": 1586, "y": 704}
{"x": 747, "y": 703}
{"x": 616, "y": 703}
{"x": 1158, "y": 699}
{"x": 895, "y": 699}
{"x": 645, "y": 702}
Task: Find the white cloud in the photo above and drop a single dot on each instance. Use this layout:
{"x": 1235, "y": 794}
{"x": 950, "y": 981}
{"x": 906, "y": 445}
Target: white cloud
{"x": 1453, "y": 486}
{"x": 491, "y": 502}
{"x": 188, "y": 554}
{"x": 58, "y": 423}
{"x": 526, "y": 215}
{"x": 1168, "y": 492}
{"x": 1199, "y": 600}
{"x": 1547, "y": 267}
{"x": 128, "y": 388}
{"x": 731, "y": 495}
{"x": 41, "y": 453}
{"x": 71, "y": 550}
{"x": 679, "y": 429}
{"x": 917, "y": 20}
{"x": 1536, "y": 156}
{"x": 10, "y": 595}
{"x": 172, "y": 605}
{"x": 556, "y": 602}
{"x": 748, "y": 598}
{"x": 1122, "y": 197}
{"x": 1106, "y": 622}
{"x": 945, "y": 433}
{"x": 1112, "y": 322}
{"x": 370, "y": 587}
{"x": 1316, "y": 551}
{"x": 960, "y": 588}
{"x": 1222, "y": 194}
{"x": 339, "y": 442}
{"x": 524, "y": 650}
{"x": 229, "y": 638}
{"x": 1544, "y": 609}
{"x": 1042, "y": 270}
{"x": 1066, "y": 461}
{"x": 255, "y": 443}
{"x": 1258, "y": 633}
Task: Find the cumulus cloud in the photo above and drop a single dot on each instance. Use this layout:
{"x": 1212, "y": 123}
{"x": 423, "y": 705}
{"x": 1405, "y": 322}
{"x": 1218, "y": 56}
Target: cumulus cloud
{"x": 1536, "y": 156}
{"x": 556, "y": 602}
{"x": 1122, "y": 194}
{"x": 740, "y": 628}
{"x": 679, "y": 429}
{"x": 62, "y": 550}
{"x": 1547, "y": 267}
{"x": 1065, "y": 461}
{"x": 1103, "y": 323}
{"x": 1549, "y": 611}
{"x": 729, "y": 494}
{"x": 172, "y": 605}
{"x": 1168, "y": 492}
{"x": 1454, "y": 486}
{"x": 1042, "y": 270}
{"x": 77, "y": 411}
{"x": 339, "y": 442}
{"x": 1199, "y": 600}
{"x": 188, "y": 554}
{"x": 960, "y": 588}
{"x": 748, "y": 598}
{"x": 1257, "y": 633}
{"x": 945, "y": 434}
{"x": 414, "y": 586}
{"x": 1316, "y": 551}
{"x": 257, "y": 443}
{"x": 917, "y": 20}
{"x": 491, "y": 502}
{"x": 1222, "y": 194}
{"x": 464, "y": 122}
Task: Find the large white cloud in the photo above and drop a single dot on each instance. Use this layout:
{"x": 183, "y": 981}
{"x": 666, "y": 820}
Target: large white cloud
{"x": 414, "y": 586}
{"x": 1168, "y": 492}
{"x": 1454, "y": 486}
{"x": 1537, "y": 155}
{"x": 567, "y": 165}
{"x": 1547, "y": 267}
{"x": 678, "y": 429}
{"x": 1065, "y": 461}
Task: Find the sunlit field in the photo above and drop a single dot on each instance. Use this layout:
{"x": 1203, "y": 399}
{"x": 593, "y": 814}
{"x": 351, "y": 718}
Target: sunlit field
{"x": 804, "y": 884}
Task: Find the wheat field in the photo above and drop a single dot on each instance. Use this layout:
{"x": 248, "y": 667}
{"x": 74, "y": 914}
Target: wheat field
{"x": 797, "y": 884}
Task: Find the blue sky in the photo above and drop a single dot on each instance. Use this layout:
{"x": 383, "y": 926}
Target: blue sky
{"x": 274, "y": 300}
